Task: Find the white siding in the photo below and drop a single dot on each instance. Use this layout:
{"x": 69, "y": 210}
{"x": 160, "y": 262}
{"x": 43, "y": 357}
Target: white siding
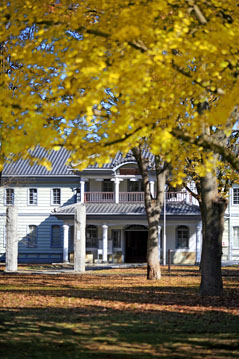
{"x": 38, "y": 215}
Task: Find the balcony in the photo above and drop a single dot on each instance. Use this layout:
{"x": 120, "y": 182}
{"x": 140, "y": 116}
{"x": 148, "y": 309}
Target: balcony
{"x": 133, "y": 197}
{"x": 99, "y": 197}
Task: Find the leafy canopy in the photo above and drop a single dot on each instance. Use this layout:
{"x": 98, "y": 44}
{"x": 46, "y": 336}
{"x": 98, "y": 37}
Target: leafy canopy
{"x": 98, "y": 76}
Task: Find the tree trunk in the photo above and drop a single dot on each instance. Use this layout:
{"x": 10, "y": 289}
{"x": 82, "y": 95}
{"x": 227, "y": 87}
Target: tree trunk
{"x": 153, "y": 208}
{"x": 213, "y": 208}
{"x": 153, "y": 264}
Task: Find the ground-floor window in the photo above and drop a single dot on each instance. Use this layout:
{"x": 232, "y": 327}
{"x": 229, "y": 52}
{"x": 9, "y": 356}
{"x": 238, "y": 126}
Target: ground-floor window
{"x": 91, "y": 236}
{"x": 56, "y": 236}
{"x": 116, "y": 237}
{"x": 182, "y": 237}
{"x": 32, "y": 236}
{"x": 235, "y": 238}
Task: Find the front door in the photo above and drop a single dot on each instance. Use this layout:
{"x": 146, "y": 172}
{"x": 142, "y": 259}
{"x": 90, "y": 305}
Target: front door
{"x": 136, "y": 246}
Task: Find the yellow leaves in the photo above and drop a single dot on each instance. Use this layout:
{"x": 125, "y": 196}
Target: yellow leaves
{"x": 46, "y": 163}
{"x": 40, "y": 32}
{"x": 113, "y": 77}
{"x": 128, "y": 32}
{"x": 56, "y": 148}
{"x": 130, "y": 50}
{"x": 223, "y": 64}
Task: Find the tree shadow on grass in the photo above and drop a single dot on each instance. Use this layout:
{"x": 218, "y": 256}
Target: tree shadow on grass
{"x": 99, "y": 332}
{"x": 155, "y": 295}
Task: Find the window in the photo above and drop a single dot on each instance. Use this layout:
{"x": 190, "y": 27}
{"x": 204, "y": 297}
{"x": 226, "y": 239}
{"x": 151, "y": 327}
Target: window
{"x": 32, "y": 236}
{"x": 182, "y": 237}
{"x": 78, "y": 191}
{"x": 56, "y": 196}
{"x": 107, "y": 186}
{"x": 78, "y": 195}
{"x": 116, "y": 237}
{"x": 56, "y": 236}
{"x": 235, "y": 239}
{"x": 91, "y": 237}
{"x": 9, "y": 196}
{"x": 32, "y": 196}
{"x": 235, "y": 195}
{"x": 135, "y": 186}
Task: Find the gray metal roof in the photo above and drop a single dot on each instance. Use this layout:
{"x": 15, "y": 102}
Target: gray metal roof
{"x": 24, "y": 168}
{"x": 120, "y": 159}
{"x": 58, "y": 159}
{"x": 126, "y": 209}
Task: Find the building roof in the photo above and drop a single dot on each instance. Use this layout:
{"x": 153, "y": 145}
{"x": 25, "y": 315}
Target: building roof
{"x": 60, "y": 167}
{"x": 126, "y": 209}
{"x": 23, "y": 167}
{"x": 119, "y": 159}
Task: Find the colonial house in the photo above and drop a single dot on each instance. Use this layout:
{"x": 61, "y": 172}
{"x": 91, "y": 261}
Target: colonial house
{"x": 116, "y": 227}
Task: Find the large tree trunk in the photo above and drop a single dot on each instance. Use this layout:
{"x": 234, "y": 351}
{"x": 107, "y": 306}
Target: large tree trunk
{"x": 153, "y": 264}
{"x": 153, "y": 208}
{"x": 213, "y": 208}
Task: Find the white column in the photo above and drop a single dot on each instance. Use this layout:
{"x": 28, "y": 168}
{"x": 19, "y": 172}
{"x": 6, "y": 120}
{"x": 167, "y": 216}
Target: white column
{"x": 11, "y": 239}
{"x": 117, "y": 182}
{"x": 65, "y": 243}
{"x": 151, "y": 184}
{"x": 79, "y": 238}
{"x": 159, "y": 232}
{"x": 105, "y": 242}
{"x": 198, "y": 243}
{"x": 230, "y": 228}
{"x": 82, "y": 191}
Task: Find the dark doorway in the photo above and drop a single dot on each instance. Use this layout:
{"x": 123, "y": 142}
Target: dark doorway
{"x": 136, "y": 244}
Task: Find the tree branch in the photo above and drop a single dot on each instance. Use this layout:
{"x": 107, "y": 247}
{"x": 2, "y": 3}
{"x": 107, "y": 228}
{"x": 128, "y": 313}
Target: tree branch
{"x": 208, "y": 143}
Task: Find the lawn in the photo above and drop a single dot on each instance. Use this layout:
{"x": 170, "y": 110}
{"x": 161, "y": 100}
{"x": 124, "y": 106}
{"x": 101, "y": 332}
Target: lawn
{"x": 117, "y": 314}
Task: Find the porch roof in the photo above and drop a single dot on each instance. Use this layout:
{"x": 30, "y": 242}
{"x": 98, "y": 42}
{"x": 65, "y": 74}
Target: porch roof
{"x": 178, "y": 209}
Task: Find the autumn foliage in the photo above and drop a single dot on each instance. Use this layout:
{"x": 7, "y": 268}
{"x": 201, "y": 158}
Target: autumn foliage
{"x": 75, "y": 72}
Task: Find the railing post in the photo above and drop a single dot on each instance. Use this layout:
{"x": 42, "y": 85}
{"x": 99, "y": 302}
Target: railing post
{"x": 169, "y": 260}
{"x": 82, "y": 191}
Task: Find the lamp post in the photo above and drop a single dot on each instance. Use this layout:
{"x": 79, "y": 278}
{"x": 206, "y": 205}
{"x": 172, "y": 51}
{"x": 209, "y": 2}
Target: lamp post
{"x": 164, "y": 225}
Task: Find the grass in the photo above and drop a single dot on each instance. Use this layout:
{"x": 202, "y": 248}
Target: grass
{"x": 117, "y": 314}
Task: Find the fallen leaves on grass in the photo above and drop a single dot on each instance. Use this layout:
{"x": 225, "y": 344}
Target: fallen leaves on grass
{"x": 118, "y": 314}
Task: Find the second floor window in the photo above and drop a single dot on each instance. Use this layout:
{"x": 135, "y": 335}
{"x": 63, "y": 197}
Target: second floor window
{"x": 56, "y": 196}
{"x": 235, "y": 195}
{"x": 107, "y": 186}
{"x": 32, "y": 236}
{"x": 135, "y": 186}
{"x": 32, "y": 196}
{"x": 9, "y": 196}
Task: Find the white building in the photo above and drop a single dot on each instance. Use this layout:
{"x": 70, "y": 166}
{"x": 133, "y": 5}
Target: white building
{"x": 116, "y": 220}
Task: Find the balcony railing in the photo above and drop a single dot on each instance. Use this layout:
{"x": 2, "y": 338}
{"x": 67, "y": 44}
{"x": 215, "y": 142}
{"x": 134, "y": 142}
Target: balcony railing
{"x": 133, "y": 197}
{"x": 108, "y": 197}
{"x": 177, "y": 196}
